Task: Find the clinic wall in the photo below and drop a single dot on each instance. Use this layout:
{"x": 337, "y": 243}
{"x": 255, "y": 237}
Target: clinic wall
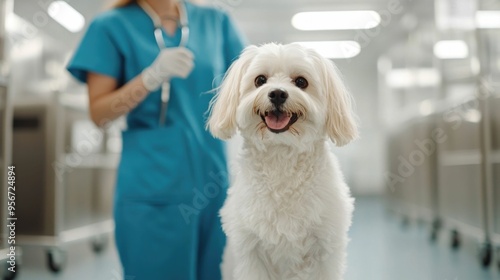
{"x": 363, "y": 161}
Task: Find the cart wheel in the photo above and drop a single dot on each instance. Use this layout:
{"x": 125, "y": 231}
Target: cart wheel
{"x": 56, "y": 259}
{"x": 99, "y": 243}
{"x": 435, "y": 227}
{"x": 486, "y": 254}
{"x": 455, "y": 239}
{"x": 9, "y": 275}
{"x": 434, "y": 234}
{"x": 498, "y": 255}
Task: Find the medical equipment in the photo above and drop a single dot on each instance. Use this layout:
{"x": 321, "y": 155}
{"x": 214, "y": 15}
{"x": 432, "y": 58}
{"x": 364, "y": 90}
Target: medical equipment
{"x": 158, "y": 33}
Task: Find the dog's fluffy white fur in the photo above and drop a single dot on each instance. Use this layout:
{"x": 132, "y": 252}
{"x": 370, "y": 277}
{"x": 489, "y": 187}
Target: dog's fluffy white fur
{"x": 288, "y": 210}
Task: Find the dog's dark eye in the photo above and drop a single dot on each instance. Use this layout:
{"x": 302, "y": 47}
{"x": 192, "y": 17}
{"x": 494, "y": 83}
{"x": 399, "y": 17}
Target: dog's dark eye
{"x": 260, "y": 80}
{"x": 301, "y": 82}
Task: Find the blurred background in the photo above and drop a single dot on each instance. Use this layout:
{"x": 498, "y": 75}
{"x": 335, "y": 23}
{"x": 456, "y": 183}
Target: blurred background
{"x": 425, "y": 76}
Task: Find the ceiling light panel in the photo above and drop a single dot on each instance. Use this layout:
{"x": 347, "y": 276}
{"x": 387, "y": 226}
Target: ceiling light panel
{"x": 334, "y": 49}
{"x": 336, "y": 20}
{"x": 66, "y": 15}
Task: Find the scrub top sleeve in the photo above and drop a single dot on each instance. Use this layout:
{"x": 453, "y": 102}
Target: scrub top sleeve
{"x": 234, "y": 40}
{"x": 96, "y": 53}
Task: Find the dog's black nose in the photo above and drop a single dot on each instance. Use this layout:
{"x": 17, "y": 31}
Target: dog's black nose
{"x": 278, "y": 97}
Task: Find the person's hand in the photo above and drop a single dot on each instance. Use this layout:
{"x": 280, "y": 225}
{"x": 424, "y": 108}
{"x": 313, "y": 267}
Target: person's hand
{"x": 171, "y": 62}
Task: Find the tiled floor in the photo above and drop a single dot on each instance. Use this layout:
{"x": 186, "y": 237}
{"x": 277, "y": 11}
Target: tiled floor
{"x": 380, "y": 249}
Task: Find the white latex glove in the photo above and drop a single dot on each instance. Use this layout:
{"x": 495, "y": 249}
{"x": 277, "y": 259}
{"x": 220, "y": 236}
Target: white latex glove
{"x": 171, "y": 62}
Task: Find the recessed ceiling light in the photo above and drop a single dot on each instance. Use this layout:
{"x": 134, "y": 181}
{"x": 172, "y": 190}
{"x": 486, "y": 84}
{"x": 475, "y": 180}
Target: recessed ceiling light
{"x": 66, "y": 16}
{"x": 413, "y": 77}
{"x": 334, "y": 49}
{"x": 488, "y": 19}
{"x": 452, "y": 49}
{"x": 336, "y": 20}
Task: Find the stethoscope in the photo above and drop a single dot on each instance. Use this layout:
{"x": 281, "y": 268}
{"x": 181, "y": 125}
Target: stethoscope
{"x": 183, "y": 22}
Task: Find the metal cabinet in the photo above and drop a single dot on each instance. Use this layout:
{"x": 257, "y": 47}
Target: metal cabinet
{"x": 460, "y": 191}
{"x": 424, "y": 149}
{"x": 66, "y": 173}
{"x": 412, "y": 165}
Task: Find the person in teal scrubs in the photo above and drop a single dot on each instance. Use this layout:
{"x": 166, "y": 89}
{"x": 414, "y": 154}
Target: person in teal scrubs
{"x": 172, "y": 178}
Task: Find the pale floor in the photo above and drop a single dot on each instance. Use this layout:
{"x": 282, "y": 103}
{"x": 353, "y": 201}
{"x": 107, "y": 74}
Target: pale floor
{"x": 380, "y": 249}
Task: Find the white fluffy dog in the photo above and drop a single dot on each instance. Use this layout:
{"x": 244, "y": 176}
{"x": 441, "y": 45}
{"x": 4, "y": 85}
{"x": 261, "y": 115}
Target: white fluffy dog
{"x": 288, "y": 210}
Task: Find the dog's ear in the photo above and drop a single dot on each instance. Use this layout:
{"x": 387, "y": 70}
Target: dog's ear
{"x": 340, "y": 121}
{"x": 222, "y": 120}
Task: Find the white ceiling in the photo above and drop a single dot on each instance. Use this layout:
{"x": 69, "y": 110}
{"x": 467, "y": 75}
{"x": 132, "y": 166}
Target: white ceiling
{"x": 260, "y": 20}
{"x": 265, "y": 21}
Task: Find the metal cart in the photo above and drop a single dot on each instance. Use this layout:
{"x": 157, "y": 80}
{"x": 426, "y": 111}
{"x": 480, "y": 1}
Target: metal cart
{"x": 5, "y": 161}
{"x": 495, "y": 161}
{"x": 70, "y": 184}
{"x": 424, "y": 149}
{"x": 404, "y": 189}
{"x": 460, "y": 194}
{"x": 412, "y": 157}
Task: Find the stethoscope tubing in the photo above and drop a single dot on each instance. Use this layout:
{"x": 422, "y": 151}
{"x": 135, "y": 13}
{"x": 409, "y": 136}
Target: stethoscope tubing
{"x": 158, "y": 34}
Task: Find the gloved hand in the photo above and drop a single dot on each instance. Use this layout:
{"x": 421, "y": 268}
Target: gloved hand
{"x": 171, "y": 62}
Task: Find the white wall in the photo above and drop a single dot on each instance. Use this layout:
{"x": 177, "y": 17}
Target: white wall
{"x": 363, "y": 161}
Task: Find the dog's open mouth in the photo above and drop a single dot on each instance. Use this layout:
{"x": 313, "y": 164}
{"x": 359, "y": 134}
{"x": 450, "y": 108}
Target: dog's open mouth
{"x": 278, "y": 121}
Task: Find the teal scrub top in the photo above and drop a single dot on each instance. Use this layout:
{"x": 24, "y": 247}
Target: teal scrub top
{"x": 157, "y": 161}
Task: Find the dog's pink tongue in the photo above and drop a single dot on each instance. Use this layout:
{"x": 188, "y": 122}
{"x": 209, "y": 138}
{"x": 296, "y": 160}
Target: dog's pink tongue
{"x": 277, "y": 122}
